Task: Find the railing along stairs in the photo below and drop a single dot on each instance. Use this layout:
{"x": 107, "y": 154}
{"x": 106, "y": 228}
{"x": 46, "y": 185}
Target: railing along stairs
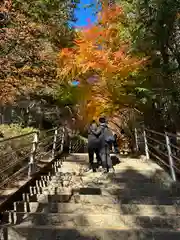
{"x": 25, "y": 154}
{"x": 164, "y": 148}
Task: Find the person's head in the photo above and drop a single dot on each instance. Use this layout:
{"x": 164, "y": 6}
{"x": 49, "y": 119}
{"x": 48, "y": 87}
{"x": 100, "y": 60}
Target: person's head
{"x": 102, "y": 120}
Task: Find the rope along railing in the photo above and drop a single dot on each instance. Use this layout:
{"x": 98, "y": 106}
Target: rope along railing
{"x": 162, "y": 147}
{"x": 26, "y": 153}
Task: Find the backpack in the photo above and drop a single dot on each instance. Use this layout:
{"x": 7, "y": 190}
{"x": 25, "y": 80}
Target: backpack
{"x": 108, "y": 136}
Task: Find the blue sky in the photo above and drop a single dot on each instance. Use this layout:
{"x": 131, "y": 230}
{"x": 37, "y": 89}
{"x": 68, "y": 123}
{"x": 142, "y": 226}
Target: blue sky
{"x": 83, "y": 14}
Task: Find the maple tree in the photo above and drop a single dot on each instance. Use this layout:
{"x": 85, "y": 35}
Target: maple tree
{"x": 101, "y": 50}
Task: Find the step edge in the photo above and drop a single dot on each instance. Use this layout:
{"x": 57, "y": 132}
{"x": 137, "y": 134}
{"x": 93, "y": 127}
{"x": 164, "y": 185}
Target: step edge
{"x": 53, "y": 227}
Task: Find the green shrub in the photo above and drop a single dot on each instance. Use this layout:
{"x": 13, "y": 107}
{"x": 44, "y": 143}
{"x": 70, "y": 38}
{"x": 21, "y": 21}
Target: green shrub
{"x": 13, "y": 130}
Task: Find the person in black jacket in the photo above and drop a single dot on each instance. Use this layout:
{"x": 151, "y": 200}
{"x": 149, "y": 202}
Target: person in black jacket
{"x": 93, "y": 145}
{"x": 106, "y": 141}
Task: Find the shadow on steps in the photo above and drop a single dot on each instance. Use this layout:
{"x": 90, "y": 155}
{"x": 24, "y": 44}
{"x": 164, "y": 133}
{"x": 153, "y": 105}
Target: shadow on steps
{"x": 52, "y": 233}
{"x": 133, "y": 181}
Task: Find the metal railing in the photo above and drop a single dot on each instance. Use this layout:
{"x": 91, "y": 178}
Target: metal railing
{"x": 78, "y": 144}
{"x": 26, "y": 154}
{"x": 162, "y": 147}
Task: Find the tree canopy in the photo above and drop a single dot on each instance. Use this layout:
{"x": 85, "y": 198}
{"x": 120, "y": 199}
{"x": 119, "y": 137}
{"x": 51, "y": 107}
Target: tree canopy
{"x": 30, "y": 37}
{"x": 101, "y": 59}
{"x": 129, "y": 61}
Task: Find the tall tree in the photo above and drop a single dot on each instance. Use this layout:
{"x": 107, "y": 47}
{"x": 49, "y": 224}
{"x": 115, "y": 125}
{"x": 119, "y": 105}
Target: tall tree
{"x": 102, "y": 61}
{"x": 158, "y": 36}
{"x": 30, "y": 35}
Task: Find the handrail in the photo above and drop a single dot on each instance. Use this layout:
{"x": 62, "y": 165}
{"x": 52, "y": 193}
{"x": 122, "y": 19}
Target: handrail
{"x": 29, "y": 155}
{"x": 160, "y": 133}
{"x": 171, "y": 134}
{"x": 19, "y": 136}
{"x": 159, "y": 159}
{"x": 177, "y": 148}
{"x": 50, "y": 130}
{"x": 157, "y": 150}
{"x": 152, "y": 131}
{"x": 167, "y": 153}
{"x": 26, "y": 134}
{"x": 176, "y": 159}
{"x": 156, "y": 140}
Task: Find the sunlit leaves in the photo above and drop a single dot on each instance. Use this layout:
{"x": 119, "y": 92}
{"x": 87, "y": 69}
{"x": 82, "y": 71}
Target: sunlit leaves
{"x": 96, "y": 48}
{"x": 99, "y": 50}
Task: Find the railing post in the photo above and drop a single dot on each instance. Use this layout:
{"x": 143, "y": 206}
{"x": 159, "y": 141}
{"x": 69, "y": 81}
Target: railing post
{"x": 136, "y": 139}
{"x": 32, "y": 164}
{"x": 62, "y": 140}
{"x": 70, "y": 146}
{"x": 54, "y": 143}
{"x": 146, "y": 145}
{"x": 173, "y": 175}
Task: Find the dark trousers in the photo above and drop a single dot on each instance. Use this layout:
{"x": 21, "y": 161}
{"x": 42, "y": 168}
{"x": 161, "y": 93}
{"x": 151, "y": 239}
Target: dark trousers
{"x": 91, "y": 152}
{"x": 105, "y": 156}
{"x": 116, "y": 147}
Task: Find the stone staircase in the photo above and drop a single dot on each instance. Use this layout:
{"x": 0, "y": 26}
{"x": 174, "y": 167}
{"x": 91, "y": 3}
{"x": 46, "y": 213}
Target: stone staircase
{"x": 138, "y": 201}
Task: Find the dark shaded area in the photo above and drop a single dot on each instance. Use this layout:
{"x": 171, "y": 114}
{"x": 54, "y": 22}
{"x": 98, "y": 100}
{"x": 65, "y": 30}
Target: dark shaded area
{"x": 141, "y": 189}
{"x": 115, "y": 160}
{"x": 89, "y": 191}
{"x": 69, "y": 234}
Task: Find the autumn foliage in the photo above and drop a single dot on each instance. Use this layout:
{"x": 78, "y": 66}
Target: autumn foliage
{"x": 29, "y": 41}
{"x": 101, "y": 51}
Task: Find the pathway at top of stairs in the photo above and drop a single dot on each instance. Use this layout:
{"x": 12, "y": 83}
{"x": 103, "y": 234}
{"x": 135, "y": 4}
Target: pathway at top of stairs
{"x": 138, "y": 201}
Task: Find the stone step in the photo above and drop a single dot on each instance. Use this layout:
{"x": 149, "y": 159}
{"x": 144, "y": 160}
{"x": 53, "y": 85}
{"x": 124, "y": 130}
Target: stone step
{"x": 99, "y": 199}
{"x": 52, "y": 176}
{"x": 156, "y": 200}
{"x": 140, "y": 173}
{"x": 121, "y": 179}
{"x": 145, "y": 190}
{"x": 113, "y": 178}
{"x": 93, "y": 220}
{"x": 54, "y": 180}
{"x": 117, "y": 176}
{"x": 61, "y": 233}
{"x": 142, "y": 210}
{"x": 105, "y": 183}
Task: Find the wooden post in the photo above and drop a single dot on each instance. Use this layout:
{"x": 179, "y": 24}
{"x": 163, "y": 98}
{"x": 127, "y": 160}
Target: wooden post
{"x": 32, "y": 164}
{"x": 146, "y": 145}
{"x": 173, "y": 175}
{"x": 54, "y": 143}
